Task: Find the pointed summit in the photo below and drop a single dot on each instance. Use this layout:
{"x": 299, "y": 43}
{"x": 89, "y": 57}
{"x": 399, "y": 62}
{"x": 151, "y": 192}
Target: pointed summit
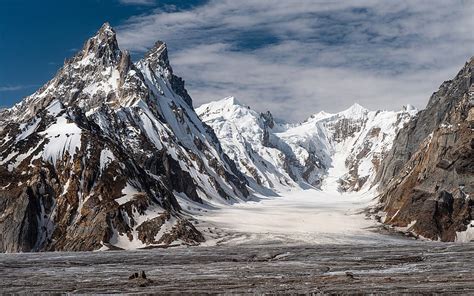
{"x": 228, "y": 106}
{"x": 228, "y": 102}
{"x": 355, "y": 110}
{"x": 223, "y": 104}
{"x": 103, "y": 45}
{"x": 357, "y": 106}
{"x": 157, "y": 60}
{"x": 231, "y": 101}
{"x": 268, "y": 119}
{"x": 106, "y": 28}
{"x": 158, "y": 55}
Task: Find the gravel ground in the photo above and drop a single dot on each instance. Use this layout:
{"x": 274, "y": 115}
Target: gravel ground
{"x": 415, "y": 267}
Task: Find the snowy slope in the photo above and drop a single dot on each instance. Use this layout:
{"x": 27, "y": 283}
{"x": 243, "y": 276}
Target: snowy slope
{"x": 338, "y": 151}
{"x": 351, "y": 143}
{"x": 249, "y": 138}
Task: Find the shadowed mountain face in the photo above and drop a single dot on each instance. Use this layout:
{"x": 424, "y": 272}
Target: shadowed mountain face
{"x": 98, "y": 156}
{"x": 427, "y": 179}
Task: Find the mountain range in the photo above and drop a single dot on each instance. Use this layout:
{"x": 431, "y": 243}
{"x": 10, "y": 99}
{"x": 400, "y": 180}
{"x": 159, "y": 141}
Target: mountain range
{"x": 112, "y": 154}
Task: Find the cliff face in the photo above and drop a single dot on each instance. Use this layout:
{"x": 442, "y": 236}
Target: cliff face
{"x": 427, "y": 179}
{"x": 100, "y": 155}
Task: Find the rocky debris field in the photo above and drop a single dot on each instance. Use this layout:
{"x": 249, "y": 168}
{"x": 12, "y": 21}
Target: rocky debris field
{"x": 414, "y": 267}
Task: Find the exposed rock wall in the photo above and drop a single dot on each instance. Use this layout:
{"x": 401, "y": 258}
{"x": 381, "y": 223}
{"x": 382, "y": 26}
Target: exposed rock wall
{"x": 427, "y": 179}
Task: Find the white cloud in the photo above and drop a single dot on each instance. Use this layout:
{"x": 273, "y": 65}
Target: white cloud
{"x": 298, "y": 57}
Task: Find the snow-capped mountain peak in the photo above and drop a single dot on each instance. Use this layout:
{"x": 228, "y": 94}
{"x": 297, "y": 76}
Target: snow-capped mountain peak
{"x": 354, "y": 111}
{"x": 282, "y": 156}
{"x": 227, "y": 107}
{"x": 158, "y": 53}
{"x": 230, "y": 101}
{"x": 227, "y": 102}
{"x": 156, "y": 63}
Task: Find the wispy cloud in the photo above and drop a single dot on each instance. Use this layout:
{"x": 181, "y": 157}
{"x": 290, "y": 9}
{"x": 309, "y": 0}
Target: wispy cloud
{"x": 15, "y": 87}
{"x": 298, "y": 57}
{"x": 138, "y": 2}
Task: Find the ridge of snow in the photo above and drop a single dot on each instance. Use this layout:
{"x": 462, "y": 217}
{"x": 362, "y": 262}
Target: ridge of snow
{"x": 354, "y": 111}
{"x": 320, "y": 115}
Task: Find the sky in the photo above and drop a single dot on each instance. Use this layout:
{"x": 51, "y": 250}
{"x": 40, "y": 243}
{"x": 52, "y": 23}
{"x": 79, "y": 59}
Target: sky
{"x": 294, "y": 58}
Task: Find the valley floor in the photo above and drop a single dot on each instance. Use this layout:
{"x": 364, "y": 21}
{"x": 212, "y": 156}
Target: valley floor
{"x": 303, "y": 216}
{"x": 299, "y": 216}
{"x": 303, "y": 242}
{"x": 415, "y": 268}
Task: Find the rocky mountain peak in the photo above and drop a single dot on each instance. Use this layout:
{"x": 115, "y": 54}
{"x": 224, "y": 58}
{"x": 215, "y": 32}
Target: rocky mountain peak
{"x": 103, "y": 46}
{"x": 106, "y": 31}
{"x": 158, "y": 55}
{"x": 156, "y": 59}
{"x": 268, "y": 119}
{"x": 112, "y": 144}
